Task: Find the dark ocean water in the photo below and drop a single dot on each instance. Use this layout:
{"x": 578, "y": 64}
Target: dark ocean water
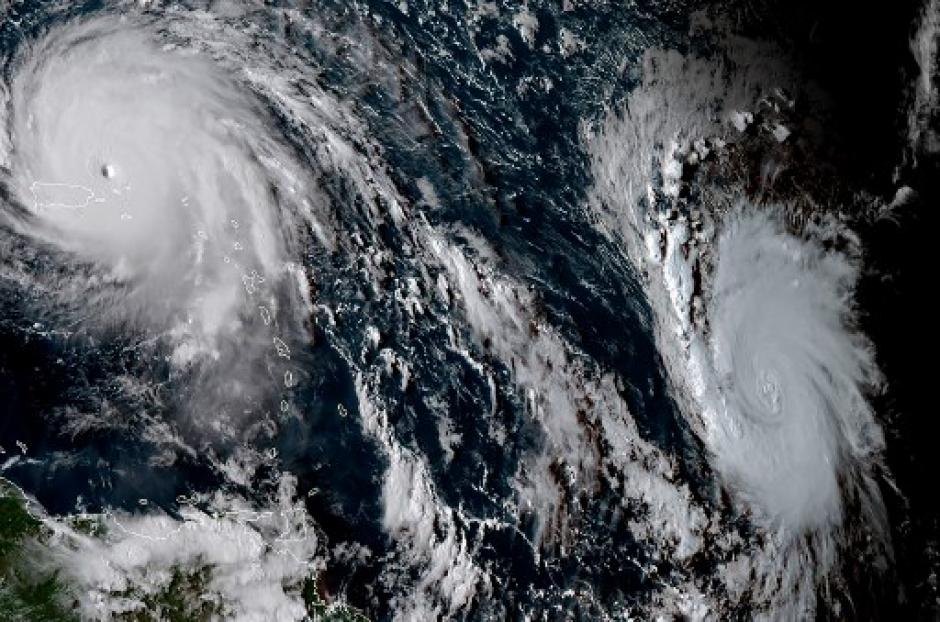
{"x": 502, "y": 145}
{"x": 517, "y": 182}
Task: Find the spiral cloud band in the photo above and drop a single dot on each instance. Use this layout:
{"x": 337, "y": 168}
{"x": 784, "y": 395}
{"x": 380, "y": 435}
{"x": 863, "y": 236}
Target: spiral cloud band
{"x": 755, "y": 320}
{"x": 150, "y": 162}
{"x": 790, "y": 412}
{"x": 323, "y": 307}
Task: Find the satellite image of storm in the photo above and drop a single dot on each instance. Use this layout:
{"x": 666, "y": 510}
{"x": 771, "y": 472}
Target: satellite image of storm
{"x": 472, "y": 310}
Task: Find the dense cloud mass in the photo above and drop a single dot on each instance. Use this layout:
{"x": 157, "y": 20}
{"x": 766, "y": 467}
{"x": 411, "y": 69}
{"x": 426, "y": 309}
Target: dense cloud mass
{"x": 790, "y": 418}
{"x": 152, "y": 163}
{"x": 471, "y": 311}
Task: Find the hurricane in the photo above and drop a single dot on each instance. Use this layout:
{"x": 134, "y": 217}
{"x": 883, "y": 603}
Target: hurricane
{"x": 469, "y": 310}
{"x": 788, "y": 435}
{"x": 137, "y": 159}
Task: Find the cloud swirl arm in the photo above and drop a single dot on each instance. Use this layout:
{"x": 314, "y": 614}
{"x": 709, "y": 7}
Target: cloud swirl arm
{"x": 790, "y": 418}
{"x": 152, "y": 162}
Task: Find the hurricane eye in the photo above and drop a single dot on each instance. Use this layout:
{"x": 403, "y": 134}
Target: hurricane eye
{"x": 768, "y": 389}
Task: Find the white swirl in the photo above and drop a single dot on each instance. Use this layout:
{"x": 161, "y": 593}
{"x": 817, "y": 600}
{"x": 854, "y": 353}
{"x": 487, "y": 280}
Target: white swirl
{"x": 152, "y": 162}
{"x": 789, "y": 411}
{"x": 155, "y": 146}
